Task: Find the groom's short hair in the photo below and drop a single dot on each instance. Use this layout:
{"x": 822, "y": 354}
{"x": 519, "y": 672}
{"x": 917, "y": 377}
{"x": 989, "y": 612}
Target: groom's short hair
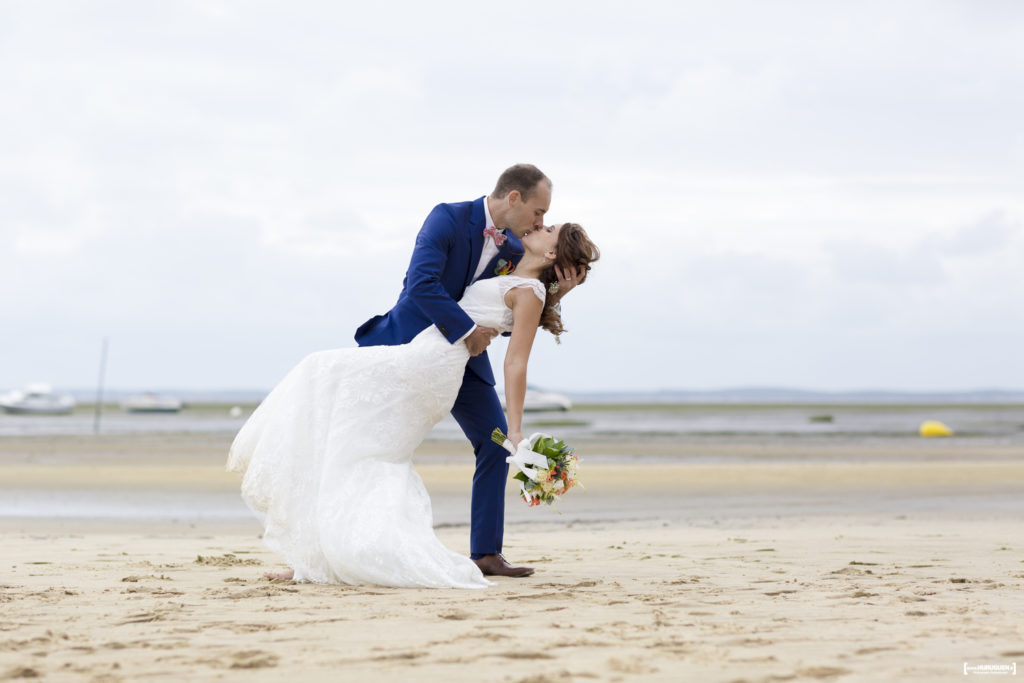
{"x": 521, "y": 177}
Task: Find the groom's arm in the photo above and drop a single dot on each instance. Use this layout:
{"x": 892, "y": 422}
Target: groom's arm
{"x": 429, "y": 257}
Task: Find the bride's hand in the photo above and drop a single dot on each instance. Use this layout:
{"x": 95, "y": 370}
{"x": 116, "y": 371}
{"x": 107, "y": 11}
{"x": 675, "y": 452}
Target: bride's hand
{"x": 567, "y": 280}
{"x": 515, "y": 438}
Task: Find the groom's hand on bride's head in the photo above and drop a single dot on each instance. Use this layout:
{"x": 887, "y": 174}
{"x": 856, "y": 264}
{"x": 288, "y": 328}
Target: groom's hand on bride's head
{"x": 479, "y": 339}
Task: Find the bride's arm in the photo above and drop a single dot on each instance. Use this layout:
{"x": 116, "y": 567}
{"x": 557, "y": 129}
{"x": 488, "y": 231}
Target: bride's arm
{"x": 526, "y": 309}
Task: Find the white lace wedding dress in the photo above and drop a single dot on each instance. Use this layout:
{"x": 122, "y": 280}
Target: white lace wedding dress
{"x": 327, "y": 456}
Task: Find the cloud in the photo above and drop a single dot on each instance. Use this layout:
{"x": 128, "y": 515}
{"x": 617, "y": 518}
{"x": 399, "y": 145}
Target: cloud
{"x": 783, "y": 193}
{"x": 861, "y": 263}
{"x": 993, "y": 232}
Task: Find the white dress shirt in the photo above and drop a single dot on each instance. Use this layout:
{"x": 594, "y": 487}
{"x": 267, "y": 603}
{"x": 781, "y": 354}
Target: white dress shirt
{"x": 490, "y": 248}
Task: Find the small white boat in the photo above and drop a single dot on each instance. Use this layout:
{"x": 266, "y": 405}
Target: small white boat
{"x": 537, "y": 400}
{"x": 151, "y": 403}
{"x": 37, "y": 399}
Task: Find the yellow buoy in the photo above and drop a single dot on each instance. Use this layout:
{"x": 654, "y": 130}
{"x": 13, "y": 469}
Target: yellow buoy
{"x": 933, "y": 428}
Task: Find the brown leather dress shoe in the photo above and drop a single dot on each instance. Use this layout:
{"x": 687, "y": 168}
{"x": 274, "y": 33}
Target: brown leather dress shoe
{"x": 495, "y": 565}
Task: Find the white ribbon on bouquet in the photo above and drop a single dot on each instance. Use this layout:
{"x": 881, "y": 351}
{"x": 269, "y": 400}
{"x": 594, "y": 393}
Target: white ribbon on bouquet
{"x": 526, "y": 460}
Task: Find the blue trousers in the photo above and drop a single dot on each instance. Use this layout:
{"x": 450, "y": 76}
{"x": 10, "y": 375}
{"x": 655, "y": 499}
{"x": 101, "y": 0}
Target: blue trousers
{"x": 478, "y": 412}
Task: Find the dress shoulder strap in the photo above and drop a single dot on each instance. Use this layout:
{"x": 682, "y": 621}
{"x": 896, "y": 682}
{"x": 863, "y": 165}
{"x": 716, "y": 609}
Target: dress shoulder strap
{"x": 507, "y": 282}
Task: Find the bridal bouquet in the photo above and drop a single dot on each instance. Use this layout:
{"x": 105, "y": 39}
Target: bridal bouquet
{"x": 547, "y": 468}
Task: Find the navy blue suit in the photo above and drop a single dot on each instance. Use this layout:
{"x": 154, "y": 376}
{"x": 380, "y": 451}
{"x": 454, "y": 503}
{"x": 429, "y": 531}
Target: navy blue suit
{"x": 445, "y": 257}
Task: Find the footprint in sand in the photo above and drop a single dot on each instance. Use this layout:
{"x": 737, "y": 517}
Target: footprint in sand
{"x": 399, "y": 657}
{"x": 147, "y": 590}
{"x": 633, "y": 666}
{"x": 531, "y": 596}
{"x": 253, "y": 659}
{"x": 141, "y": 618}
{"x": 260, "y": 592}
{"x": 556, "y": 677}
{"x": 820, "y": 672}
{"x": 852, "y": 571}
{"x": 525, "y": 655}
{"x": 225, "y": 560}
{"x": 248, "y": 628}
{"x": 455, "y": 615}
{"x": 136, "y": 579}
{"x": 158, "y": 614}
{"x": 750, "y": 642}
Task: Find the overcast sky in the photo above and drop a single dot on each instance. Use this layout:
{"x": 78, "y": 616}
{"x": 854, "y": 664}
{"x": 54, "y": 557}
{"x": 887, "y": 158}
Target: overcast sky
{"x": 823, "y": 195}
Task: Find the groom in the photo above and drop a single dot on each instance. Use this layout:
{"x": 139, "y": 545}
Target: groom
{"x": 457, "y": 245}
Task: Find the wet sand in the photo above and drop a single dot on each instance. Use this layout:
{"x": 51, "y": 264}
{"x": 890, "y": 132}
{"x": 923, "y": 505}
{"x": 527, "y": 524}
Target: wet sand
{"x": 701, "y": 561}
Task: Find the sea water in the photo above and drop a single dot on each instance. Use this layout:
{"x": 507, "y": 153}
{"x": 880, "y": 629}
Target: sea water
{"x": 854, "y": 423}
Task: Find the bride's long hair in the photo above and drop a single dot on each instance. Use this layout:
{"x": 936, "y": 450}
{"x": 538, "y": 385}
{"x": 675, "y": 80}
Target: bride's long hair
{"x": 574, "y": 250}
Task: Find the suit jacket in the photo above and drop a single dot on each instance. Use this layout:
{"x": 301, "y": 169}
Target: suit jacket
{"x": 445, "y": 257}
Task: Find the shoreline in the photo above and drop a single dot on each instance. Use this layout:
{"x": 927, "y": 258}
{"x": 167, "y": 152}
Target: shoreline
{"x": 180, "y": 482}
{"x": 183, "y": 477}
{"x": 630, "y": 446}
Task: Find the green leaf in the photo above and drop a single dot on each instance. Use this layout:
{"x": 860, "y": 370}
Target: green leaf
{"x": 544, "y": 445}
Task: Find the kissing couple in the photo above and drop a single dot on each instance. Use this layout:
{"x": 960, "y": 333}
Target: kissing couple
{"x": 327, "y": 456}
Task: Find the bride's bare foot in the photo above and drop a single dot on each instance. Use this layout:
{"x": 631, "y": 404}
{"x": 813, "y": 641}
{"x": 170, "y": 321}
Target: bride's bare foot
{"x": 282, "y": 576}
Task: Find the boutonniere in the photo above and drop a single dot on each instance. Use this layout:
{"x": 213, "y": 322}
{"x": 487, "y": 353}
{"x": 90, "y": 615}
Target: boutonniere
{"x": 504, "y": 267}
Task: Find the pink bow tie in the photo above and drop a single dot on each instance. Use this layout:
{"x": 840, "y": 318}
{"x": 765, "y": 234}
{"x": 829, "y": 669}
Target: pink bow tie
{"x": 498, "y": 236}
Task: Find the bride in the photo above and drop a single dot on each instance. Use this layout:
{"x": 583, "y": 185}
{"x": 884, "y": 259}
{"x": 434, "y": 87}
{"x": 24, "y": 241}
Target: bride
{"x": 327, "y": 456}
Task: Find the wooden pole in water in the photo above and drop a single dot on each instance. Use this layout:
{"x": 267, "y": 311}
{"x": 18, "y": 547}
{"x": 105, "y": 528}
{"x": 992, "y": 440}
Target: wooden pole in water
{"x": 99, "y": 387}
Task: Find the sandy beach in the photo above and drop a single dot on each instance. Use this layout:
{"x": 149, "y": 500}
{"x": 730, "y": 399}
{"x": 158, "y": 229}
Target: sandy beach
{"x": 711, "y": 561}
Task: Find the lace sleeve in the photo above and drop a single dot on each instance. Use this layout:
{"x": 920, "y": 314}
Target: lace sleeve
{"x": 509, "y": 282}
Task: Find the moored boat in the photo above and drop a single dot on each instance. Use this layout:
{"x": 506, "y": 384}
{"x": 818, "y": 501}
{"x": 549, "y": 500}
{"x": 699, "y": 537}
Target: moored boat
{"x": 37, "y": 399}
{"x": 537, "y": 400}
{"x": 151, "y": 403}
